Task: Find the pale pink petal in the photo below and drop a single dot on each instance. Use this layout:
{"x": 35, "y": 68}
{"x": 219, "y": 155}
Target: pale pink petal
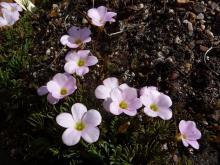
{"x": 64, "y": 39}
{"x": 78, "y": 110}
{"x": 82, "y": 71}
{"x": 60, "y": 79}
{"x": 53, "y": 87}
{"x": 85, "y": 34}
{"x": 71, "y": 136}
{"x": 164, "y": 101}
{"x": 71, "y": 85}
{"x": 94, "y": 14}
{"x": 194, "y": 144}
{"x": 65, "y": 120}
{"x": 116, "y": 94}
{"x": 91, "y": 60}
{"x": 185, "y": 142}
{"x": 146, "y": 100}
{"x": 102, "y": 11}
{"x": 102, "y": 92}
{"x": 123, "y": 86}
{"x": 111, "y": 82}
{"x": 106, "y": 104}
{"x": 5, "y": 5}
{"x": 129, "y": 94}
{"x": 71, "y": 56}
{"x": 70, "y": 67}
{"x": 90, "y": 134}
{"x": 109, "y": 16}
{"x": 149, "y": 112}
{"x": 130, "y": 112}
{"x": 3, "y": 22}
{"x": 51, "y": 99}
{"x": 42, "y": 90}
{"x": 92, "y": 118}
{"x": 165, "y": 113}
{"x": 145, "y": 90}
{"x": 74, "y": 32}
{"x": 114, "y": 108}
{"x": 182, "y": 126}
{"x": 83, "y": 53}
{"x": 135, "y": 104}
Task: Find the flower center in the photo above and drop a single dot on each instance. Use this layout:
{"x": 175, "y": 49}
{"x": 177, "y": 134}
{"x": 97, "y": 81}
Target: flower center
{"x": 180, "y": 136}
{"x": 81, "y": 62}
{"x": 79, "y": 126}
{"x": 78, "y": 41}
{"x": 63, "y": 91}
{"x": 154, "y": 107}
{"x": 123, "y": 105}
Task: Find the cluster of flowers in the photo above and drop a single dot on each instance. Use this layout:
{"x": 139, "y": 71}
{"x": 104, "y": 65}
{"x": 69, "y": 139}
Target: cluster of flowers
{"x": 9, "y": 13}
{"x": 117, "y": 98}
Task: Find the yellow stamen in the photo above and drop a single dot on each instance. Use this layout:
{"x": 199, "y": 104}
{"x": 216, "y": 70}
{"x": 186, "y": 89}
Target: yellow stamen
{"x": 123, "y": 105}
{"x": 63, "y": 91}
{"x": 78, "y": 41}
{"x": 81, "y": 62}
{"x": 154, "y": 107}
{"x": 79, "y": 126}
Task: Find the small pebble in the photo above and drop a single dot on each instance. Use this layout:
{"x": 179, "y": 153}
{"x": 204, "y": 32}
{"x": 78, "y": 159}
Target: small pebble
{"x": 200, "y": 16}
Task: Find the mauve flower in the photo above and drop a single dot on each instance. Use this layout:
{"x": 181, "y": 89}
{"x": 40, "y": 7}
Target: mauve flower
{"x": 59, "y": 87}
{"x": 79, "y": 62}
{"x": 124, "y": 100}
{"x": 76, "y": 37}
{"x": 81, "y": 123}
{"x": 12, "y": 11}
{"x": 100, "y": 16}
{"x": 189, "y": 134}
{"x": 156, "y": 103}
{"x": 4, "y": 20}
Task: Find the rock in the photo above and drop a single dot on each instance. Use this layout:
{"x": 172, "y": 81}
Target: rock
{"x": 182, "y": 1}
{"x": 199, "y": 8}
{"x": 209, "y": 33}
{"x": 48, "y": 52}
{"x": 190, "y": 28}
{"x": 178, "y": 40}
{"x": 203, "y": 48}
{"x": 200, "y": 16}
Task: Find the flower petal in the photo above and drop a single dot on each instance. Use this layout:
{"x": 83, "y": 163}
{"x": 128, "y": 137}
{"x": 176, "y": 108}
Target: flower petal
{"x": 42, "y": 90}
{"x": 71, "y": 56}
{"x": 83, "y": 53}
{"x": 164, "y": 101}
{"x": 71, "y": 137}
{"x": 102, "y": 11}
{"x": 114, "y": 109}
{"x": 74, "y": 32}
{"x": 106, "y": 104}
{"x": 185, "y": 143}
{"x": 65, "y": 120}
{"x": 92, "y": 118}
{"x": 53, "y": 87}
{"x": 91, "y": 134}
{"x": 64, "y": 39}
{"x": 194, "y": 144}
{"x": 102, "y": 92}
{"x": 91, "y": 60}
{"x": 129, "y": 93}
{"x": 61, "y": 79}
{"x": 135, "y": 103}
{"x": 70, "y": 67}
{"x": 130, "y": 112}
{"x": 150, "y": 113}
{"x": 111, "y": 82}
{"x": 78, "y": 110}
{"x": 82, "y": 71}
{"x": 51, "y": 99}
{"x": 116, "y": 94}
{"x": 165, "y": 113}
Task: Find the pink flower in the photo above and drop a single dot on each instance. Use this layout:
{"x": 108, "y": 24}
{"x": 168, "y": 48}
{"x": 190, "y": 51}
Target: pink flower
{"x": 59, "y": 87}
{"x": 81, "y": 123}
{"x": 156, "y": 103}
{"x": 100, "y": 16}
{"x": 124, "y": 100}
{"x": 76, "y": 37}
{"x": 189, "y": 134}
{"x": 10, "y": 12}
{"x": 79, "y": 62}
